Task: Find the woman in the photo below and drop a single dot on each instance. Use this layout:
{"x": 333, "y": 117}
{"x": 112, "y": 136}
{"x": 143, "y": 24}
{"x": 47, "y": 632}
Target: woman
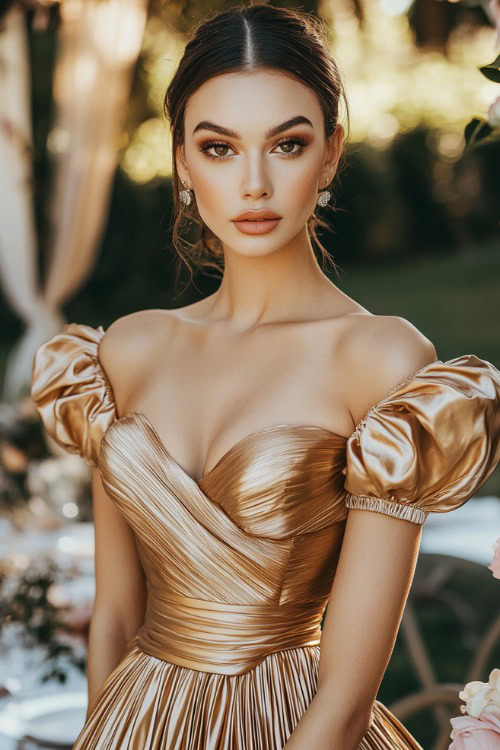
{"x": 268, "y": 448}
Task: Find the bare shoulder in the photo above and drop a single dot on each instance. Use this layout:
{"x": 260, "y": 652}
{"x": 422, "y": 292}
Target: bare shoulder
{"x": 380, "y": 351}
{"x": 129, "y": 343}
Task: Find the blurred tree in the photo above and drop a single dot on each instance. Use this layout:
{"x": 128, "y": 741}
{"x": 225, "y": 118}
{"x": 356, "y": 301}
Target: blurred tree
{"x": 433, "y": 21}
{"x": 184, "y": 14}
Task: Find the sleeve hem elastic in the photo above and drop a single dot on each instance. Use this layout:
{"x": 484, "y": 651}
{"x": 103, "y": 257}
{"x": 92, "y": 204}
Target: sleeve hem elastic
{"x": 389, "y": 507}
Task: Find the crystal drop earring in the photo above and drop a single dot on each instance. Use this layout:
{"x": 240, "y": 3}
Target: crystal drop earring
{"x": 185, "y": 195}
{"x": 324, "y": 196}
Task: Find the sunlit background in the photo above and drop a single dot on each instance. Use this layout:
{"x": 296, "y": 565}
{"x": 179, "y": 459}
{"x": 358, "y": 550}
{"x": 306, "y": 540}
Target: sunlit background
{"x": 418, "y": 87}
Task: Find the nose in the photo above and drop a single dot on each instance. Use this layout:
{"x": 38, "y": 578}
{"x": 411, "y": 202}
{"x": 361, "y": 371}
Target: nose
{"x": 256, "y": 182}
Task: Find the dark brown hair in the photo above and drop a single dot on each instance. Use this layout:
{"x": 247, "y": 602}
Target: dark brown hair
{"x": 247, "y": 38}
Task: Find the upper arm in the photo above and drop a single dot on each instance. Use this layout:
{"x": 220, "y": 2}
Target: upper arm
{"x": 425, "y": 448}
{"x": 368, "y": 596}
{"x": 380, "y": 351}
{"x": 120, "y": 580}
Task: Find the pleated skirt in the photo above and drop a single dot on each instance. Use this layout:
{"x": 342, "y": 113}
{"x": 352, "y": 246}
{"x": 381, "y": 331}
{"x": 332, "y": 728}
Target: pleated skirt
{"x": 150, "y": 704}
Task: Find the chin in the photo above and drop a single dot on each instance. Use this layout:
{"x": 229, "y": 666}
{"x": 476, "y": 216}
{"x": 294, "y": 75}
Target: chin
{"x": 252, "y": 248}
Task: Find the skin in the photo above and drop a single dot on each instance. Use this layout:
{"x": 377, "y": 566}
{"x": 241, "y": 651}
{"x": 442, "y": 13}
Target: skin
{"x": 277, "y": 342}
{"x": 262, "y": 273}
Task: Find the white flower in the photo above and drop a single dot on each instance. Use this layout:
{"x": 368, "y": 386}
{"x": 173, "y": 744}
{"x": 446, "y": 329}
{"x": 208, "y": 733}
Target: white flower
{"x": 494, "y": 113}
{"x": 494, "y": 679}
{"x": 482, "y": 696}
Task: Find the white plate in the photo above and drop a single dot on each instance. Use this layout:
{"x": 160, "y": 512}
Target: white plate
{"x": 56, "y": 716}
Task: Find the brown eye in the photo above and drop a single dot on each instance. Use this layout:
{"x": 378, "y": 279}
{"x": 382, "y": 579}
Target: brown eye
{"x": 207, "y": 146}
{"x": 287, "y": 146}
{"x": 218, "y": 148}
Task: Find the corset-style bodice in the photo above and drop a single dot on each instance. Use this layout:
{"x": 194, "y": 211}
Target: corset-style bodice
{"x": 240, "y": 563}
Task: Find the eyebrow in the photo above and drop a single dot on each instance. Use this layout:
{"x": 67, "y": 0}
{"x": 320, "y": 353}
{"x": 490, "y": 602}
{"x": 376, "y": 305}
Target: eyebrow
{"x": 276, "y": 130}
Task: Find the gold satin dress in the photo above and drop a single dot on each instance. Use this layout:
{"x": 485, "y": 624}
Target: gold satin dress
{"x": 240, "y": 563}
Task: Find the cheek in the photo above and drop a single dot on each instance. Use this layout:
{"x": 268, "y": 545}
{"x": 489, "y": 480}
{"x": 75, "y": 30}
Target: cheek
{"x": 212, "y": 190}
{"x": 302, "y": 190}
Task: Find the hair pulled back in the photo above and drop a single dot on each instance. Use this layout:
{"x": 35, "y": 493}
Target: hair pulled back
{"x": 248, "y": 38}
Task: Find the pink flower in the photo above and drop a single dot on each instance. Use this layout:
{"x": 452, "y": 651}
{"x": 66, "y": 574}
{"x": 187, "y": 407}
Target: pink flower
{"x": 469, "y": 733}
{"x": 495, "y": 563}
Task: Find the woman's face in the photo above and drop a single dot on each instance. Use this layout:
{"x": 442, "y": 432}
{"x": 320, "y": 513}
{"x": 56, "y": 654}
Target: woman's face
{"x": 234, "y": 162}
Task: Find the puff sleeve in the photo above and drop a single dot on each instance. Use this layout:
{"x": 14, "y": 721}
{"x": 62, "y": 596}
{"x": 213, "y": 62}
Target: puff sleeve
{"x": 71, "y": 391}
{"x": 429, "y": 444}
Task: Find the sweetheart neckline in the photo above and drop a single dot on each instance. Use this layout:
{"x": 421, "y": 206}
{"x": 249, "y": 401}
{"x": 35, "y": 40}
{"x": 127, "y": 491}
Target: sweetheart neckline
{"x": 136, "y": 413}
{"x": 255, "y": 433}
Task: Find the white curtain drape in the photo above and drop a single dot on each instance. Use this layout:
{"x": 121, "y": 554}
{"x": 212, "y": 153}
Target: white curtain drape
{"x": 18, "y": 243}
{"x": 99, "y": 44}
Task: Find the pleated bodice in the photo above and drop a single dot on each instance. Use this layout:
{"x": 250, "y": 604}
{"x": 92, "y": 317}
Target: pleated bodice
{"x": 258, "y": 537}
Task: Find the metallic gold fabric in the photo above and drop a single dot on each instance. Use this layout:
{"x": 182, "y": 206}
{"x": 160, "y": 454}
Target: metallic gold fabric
{"x": 430, "y": 443}
{"x": 224, "y": 638}
{"x": 240, "y": 563}
{"x": 147, "y": 703}
{"x": 71, "y": 391}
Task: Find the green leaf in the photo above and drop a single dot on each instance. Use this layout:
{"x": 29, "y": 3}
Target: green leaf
{"x": 476, "y": 130}
{"x": 492, "y": 71}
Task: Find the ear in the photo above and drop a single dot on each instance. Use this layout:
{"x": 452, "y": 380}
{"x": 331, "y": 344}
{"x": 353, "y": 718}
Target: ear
{"x": 181, "y": 166}
{"x": 333, "y": 152}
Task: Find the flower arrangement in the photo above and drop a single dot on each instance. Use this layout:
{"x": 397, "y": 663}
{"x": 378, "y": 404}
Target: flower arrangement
{"x": 479, "y": 727}
{"x": 35, "y": 619}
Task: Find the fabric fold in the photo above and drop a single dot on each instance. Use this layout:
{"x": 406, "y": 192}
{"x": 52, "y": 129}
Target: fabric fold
{"x": 224, "y": 638}
{"x": 428, "y": 445}
{"x": 149, "y": 703}
{"x": 71, "y": 392}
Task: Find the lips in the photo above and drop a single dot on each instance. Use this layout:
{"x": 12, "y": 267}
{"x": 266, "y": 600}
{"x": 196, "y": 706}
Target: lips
{"x": 256, "y": 222}
{"x": 260, "y": 215}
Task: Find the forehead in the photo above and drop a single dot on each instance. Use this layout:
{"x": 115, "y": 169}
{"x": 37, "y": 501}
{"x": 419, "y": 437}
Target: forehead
{"x": 251, "y": 102}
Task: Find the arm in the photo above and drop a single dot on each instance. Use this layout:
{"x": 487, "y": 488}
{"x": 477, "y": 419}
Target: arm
{"x": 121, "y": 589}
{"x": 120, "y": 596}
{"x": 368, "y": 596}
{"x": 377, "y": 559}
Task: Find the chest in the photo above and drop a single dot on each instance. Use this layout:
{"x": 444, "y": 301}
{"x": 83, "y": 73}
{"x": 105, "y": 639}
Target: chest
{"x": 204, "y": 397}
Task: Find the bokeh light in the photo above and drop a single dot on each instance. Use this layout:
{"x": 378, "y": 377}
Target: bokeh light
{"x": 392, "y": 85}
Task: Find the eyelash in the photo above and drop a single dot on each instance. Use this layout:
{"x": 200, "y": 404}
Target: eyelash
{"x": 298, "y": 140}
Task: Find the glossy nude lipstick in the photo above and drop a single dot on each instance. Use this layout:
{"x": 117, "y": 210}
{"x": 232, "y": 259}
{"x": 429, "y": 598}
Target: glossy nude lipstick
{"x": 256, "y": 222}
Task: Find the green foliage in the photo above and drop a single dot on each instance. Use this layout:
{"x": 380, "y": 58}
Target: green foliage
{"x": 492, "y": 71}
{"x": 478, "y": 128}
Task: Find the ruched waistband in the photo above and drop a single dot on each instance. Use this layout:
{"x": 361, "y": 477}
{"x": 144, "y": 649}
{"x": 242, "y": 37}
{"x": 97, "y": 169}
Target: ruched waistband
{"x": 226, "y": 639}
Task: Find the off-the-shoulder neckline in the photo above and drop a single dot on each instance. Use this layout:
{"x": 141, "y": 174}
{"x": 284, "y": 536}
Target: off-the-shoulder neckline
{"x": 144, "y": 420}
{"x": 410, "y": 376}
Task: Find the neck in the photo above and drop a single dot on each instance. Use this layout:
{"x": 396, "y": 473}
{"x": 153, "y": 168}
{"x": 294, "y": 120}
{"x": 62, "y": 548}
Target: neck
{"x": 286, "y": 284}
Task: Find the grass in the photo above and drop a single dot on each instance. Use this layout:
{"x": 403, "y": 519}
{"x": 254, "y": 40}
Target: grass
{"x": 453, "y": 299}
